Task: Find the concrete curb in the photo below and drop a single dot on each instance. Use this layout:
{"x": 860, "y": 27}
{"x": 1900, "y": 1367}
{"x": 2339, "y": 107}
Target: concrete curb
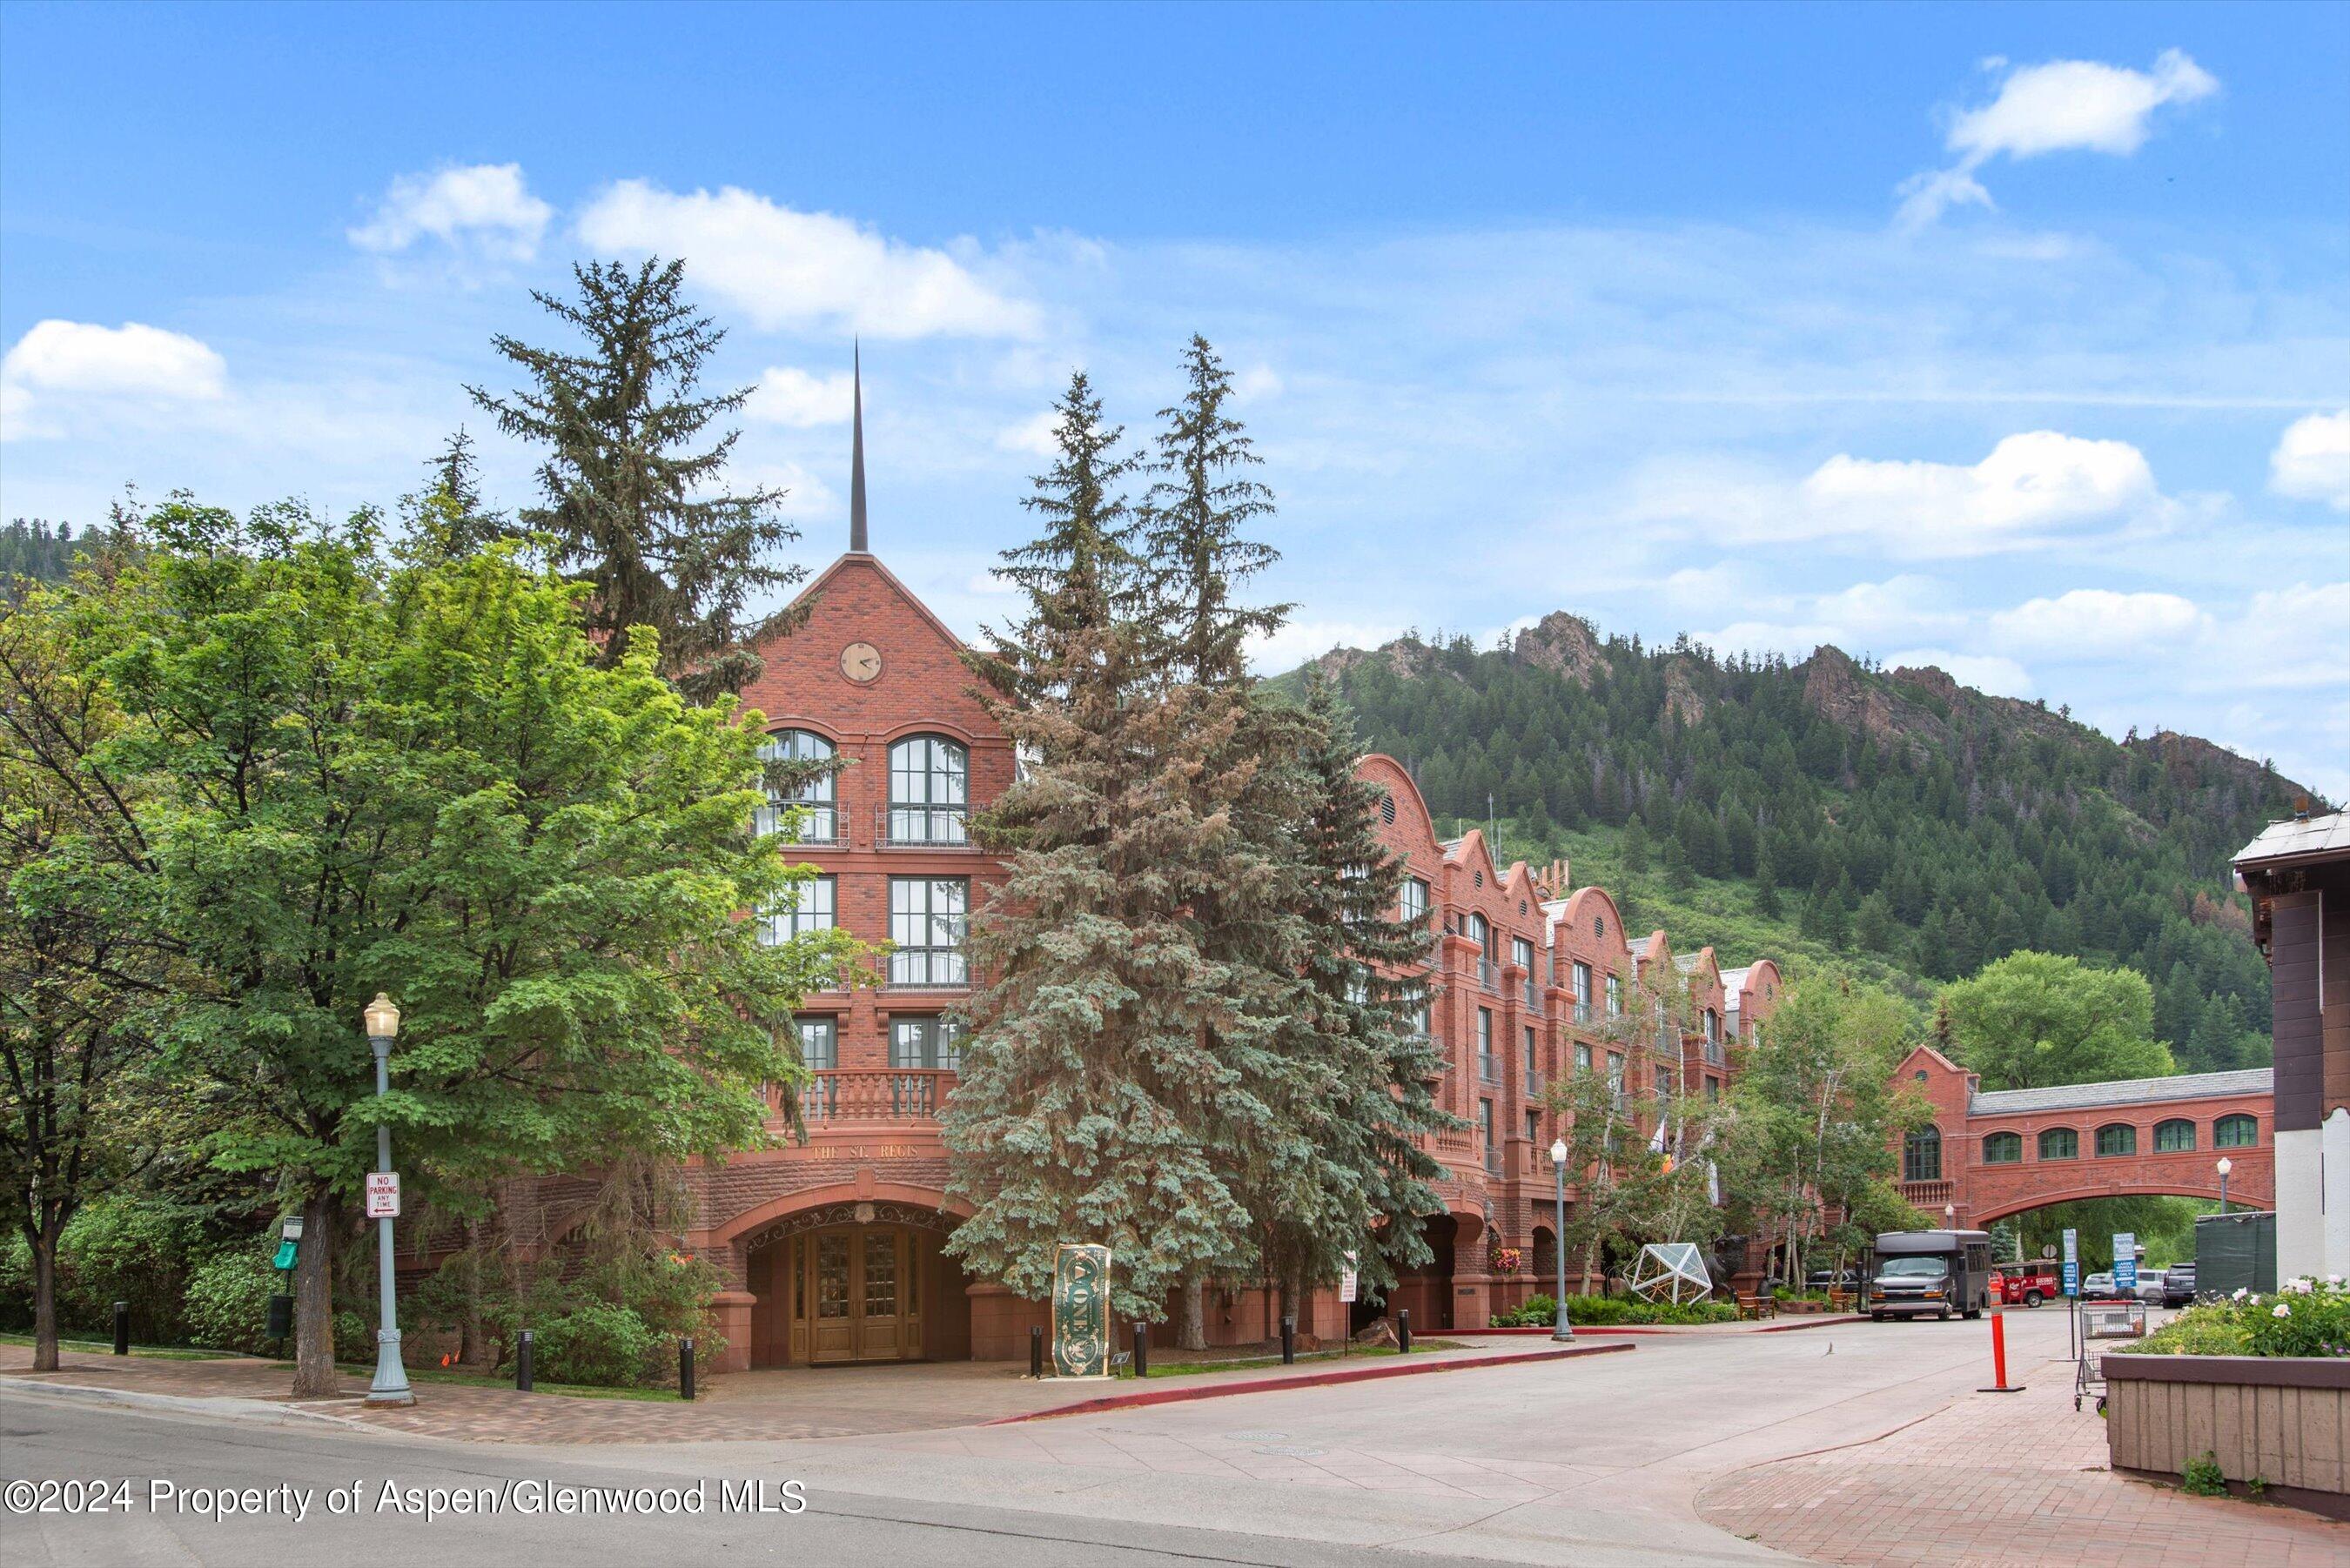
{"x": 1821, "y": 1321}
{"x": 1307, "y": 1380}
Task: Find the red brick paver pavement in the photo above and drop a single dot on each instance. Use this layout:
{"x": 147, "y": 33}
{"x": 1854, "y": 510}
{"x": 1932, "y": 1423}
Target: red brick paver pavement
{"x": 2001, "y": 1479}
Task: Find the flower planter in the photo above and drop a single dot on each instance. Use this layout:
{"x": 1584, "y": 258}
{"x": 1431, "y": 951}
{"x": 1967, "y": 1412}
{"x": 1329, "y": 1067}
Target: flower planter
{"x": 2284, "y": 1421}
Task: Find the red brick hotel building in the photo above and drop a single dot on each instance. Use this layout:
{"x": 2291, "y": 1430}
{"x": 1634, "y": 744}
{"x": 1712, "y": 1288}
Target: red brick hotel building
{"x": 831, "y": 1248}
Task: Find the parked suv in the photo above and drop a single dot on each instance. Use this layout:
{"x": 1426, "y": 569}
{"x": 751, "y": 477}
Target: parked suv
{"x": 2099, "y": 1287}
{"x": 2149, "y": 1286}
{"x": 2178, "y": 1285}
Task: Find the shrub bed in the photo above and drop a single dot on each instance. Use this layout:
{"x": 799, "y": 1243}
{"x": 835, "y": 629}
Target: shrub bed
{"x": 1605, "y": 1312}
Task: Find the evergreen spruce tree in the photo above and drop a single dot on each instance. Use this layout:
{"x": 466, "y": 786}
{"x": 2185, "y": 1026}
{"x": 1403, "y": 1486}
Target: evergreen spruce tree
{"x": 1366, "y": 1106}
{"x": 1091, "y": 1106}
{"x": 628, "y": 500}
{"x": 451, "y": 515}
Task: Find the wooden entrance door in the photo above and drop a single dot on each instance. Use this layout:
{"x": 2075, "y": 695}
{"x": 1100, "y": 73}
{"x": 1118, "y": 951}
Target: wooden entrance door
{"x": 863, "y": 1282}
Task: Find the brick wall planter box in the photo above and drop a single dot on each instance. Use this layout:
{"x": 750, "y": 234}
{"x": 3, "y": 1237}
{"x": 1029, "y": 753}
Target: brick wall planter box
{"x": 2284, "y": 1419}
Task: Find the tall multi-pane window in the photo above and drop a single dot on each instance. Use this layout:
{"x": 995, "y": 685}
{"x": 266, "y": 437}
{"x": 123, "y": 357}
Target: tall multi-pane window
{"x": 928, "y": 1042}
{"x": 1420, "y": 1015}
{"x": 820, "y": 818}
{"x": 1713, "y": 1087}
{"x": 1485, "y": 1130}
{"x": 1921, "y": 1155}
{"x": 2174, "y": 1137}
{"x": 1413, "y": 906}
{"x": 1664, "y": 1082}
{"x": 1485, "y": 1068}
{"x": 1615, "y": 996}
{"x": 1616, "y": 1075}
{"x": 1582, "y": 1058}
{"x": 2002, "y": 1148}
{"x": 819, "y": 1044}
{"x": 928, "y": 788}
{"x": 1580, "y": 978}
{"x": 2238, "y": 1131}
{"x": 1712, "y": 1027}
{"x": 807, "y": 907}
{"x": 2060, "y": 1143}
{"x": 2118, "y": 1138}
{"x": 1522, "y": 953}
{"x": 928, "y": 921}
{"x": 1530, "y": 1068}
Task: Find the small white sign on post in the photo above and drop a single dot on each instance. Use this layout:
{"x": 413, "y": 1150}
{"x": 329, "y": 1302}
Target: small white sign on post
{"x": 383, "y": 1195}
{"x": 1346, "y": 1282}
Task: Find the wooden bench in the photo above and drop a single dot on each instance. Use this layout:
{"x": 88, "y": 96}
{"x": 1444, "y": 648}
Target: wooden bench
{"x": 1758, "y": 1307}
{"x": 1843, "y": 1300}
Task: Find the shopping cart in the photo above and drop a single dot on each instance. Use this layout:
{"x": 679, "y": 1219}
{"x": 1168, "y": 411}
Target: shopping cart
{"x": 2103, "y": 1321}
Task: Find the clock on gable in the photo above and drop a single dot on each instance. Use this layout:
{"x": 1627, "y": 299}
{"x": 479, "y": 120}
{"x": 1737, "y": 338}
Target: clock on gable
{"x": 860, "y": 661}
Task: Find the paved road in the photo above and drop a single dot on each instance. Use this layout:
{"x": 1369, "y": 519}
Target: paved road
{"x": 59, "y": 1436}
{"x": 1595, "y": 1461}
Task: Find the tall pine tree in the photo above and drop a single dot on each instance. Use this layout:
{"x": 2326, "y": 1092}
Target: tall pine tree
{"x": 1088, "y": 1093}
{"x": 633, "y": 508}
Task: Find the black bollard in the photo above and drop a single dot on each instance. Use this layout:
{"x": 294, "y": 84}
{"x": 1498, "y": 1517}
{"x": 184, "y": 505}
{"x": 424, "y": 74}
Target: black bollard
{"x": 1289, "y": 1341}
{"x": 685, "y": 1368}
{"x": 1142, "y": 1350}
{"x": 522, "y": 1362}
{"x": 1035, "y": 1350}
{"x": 1403, "y": 1332}
{"x": 122, "y": 1328}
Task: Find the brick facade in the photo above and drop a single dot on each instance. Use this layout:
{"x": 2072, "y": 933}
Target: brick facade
{"x": 1507, "y": 941}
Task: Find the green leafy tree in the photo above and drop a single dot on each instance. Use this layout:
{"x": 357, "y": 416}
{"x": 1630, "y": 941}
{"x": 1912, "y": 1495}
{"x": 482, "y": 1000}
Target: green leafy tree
{"x": 633, "y": 508}
{"x": 1815, "y": 1116}
{"x": 421, "y": 777}
{"x": 1090, "y": 1101}
{"x": 2033, "y": 1019}
{"x": 84, "y": 970}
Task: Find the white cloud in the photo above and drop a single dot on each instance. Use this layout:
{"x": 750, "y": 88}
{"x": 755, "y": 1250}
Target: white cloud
{"x": 787, "y": 395}
{"x": 1985, "y": 672}
{"x": 1038, "y": 435}
{"x": 2059, "y": 106}
{"x": 2311, "y": 460}
{"x": 2295, "y": 638}
{"x": 787, "y": 269}
{"x": 2098, "y": 623}
{"x": 80, "y": 361}
{"x": 2034, "y": 488}
{"x": 486, "y": 206}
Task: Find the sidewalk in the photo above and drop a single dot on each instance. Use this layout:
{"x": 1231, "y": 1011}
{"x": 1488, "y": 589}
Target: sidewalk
{"x": 2003, "y": 1478}
{"x": 767, "y": 1406}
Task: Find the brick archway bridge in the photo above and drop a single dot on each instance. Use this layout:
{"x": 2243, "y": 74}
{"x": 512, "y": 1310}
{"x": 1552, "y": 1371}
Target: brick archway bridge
{"x": 1990, "y": 1156}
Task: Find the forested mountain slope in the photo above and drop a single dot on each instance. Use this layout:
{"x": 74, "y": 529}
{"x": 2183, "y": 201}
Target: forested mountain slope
{"x": 1892, "y": 823}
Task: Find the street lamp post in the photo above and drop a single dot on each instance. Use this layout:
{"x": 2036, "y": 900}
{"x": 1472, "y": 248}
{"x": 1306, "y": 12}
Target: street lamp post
{"x": 1560, "y": 1328}
{"x": 2226, "y": 1165}
{"x": 1950, "y": 1216}
{"x": 390, "y": 1384}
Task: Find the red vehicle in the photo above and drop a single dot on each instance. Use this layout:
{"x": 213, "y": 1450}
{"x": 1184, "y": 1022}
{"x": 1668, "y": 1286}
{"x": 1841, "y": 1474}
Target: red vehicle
{"x": 2029, "y": 1285}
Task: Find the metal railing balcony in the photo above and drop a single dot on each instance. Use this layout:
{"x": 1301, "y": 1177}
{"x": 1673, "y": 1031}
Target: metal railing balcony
{"x": 1487, "y": 1071}
{"x": 1532, "y": 994}
{"x": 1533, "y": 1084}
{"x": 875, "y": 1095}
{"x": 1492, "y": 1160}
{"x": 1582, "y": 1010}
{"x": 1715, "y": 1055}
{"x": 927, "y": 968}
{"x": 1489, "y": 975}
{"x": 818, "y": 827}
{"x": 923, "y": 827}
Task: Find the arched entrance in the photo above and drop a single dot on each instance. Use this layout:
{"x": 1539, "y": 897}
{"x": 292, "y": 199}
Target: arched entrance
{"x": 856, "y": 1283}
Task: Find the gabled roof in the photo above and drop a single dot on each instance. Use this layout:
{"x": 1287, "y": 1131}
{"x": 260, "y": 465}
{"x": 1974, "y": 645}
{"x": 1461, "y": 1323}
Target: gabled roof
{"x": 857, "y": 557}
{"x": 2122, "y": 1092}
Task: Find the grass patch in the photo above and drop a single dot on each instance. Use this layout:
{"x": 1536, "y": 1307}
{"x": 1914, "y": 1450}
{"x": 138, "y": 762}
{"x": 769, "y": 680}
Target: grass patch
{"x": 150, "y": 1351}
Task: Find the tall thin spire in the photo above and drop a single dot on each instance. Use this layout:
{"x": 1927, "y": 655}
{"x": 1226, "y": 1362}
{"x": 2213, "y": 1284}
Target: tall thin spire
{"x": 856, "y": 457}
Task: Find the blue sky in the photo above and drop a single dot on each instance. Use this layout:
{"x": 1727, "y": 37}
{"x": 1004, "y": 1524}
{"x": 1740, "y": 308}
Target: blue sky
{"x": 2016, "y": 339}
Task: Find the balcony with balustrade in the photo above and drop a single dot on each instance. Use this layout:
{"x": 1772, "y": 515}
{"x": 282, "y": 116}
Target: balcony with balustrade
{"x": 803, "y": 826}
{"x": 859, "y": 1096}
{"x": 926, "y": 970}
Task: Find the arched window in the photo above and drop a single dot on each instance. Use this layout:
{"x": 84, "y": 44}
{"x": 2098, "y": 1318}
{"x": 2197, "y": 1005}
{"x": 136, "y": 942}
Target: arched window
{"x": 2174, "y": 1136}
{"x": 2060, "y": 1143}
{"x": 1921, "y": 1155}
{"x": 928, "y": 777}
{"x": 2238, "y": 1131}
{"x": 819, "y": 821}
{"x": 2117, "y": 1137}
{"x": 2002, "y": 1148}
